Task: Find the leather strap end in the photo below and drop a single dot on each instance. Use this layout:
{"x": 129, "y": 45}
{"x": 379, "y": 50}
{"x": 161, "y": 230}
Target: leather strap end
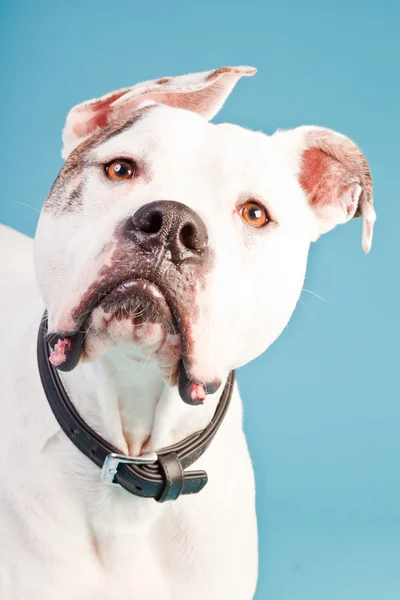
{"x": 173, "y": 477}
{"x": 177, "y": 481}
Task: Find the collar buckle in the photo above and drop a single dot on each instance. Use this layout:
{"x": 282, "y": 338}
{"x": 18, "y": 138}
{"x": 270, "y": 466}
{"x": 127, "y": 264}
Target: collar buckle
{"x": 113, "y": 460}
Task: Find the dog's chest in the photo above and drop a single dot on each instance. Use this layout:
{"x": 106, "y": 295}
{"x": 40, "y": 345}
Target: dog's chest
{"x": 150, "y": 558}
{"x": 128, "y": 569}
{"x": 140, "y": 549}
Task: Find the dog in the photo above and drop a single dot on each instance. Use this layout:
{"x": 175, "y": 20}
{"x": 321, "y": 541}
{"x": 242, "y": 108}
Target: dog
{"x": 169, "y": 252}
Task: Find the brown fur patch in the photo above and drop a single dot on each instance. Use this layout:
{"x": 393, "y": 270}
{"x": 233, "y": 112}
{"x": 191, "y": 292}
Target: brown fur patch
{"x": 96, "y": 549}
{"x": 232, "y": 70}
{"x": 63, "y": 199}
{"x": 344, "y": 157}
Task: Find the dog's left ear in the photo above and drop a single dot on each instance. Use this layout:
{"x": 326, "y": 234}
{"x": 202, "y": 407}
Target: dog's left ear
{"x": 203, "y": 93}
{"x": 335, "y": 176}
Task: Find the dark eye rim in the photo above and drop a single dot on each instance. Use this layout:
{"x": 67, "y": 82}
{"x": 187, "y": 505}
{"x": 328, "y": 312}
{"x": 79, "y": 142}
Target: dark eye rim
{"x": 120, "y": 159}
{"x": 269, "y": 220}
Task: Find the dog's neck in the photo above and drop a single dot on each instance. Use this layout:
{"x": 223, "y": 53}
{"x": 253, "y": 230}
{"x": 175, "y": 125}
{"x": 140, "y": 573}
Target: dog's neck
{"x": 127, "y": 402}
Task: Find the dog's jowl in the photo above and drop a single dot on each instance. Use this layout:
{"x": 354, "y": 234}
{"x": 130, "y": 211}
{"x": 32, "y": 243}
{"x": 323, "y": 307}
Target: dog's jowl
{"x": 125, "y": 473}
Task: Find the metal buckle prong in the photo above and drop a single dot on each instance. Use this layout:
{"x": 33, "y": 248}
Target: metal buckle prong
{"x": 111, "y": 462}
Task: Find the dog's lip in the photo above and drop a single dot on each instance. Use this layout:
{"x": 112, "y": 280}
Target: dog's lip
{"x": 125, "y": 287}
{"x": 192, "y": 391}
{"x": 129, "y": 285}
{"x": 142, "y": 287}
{"x": 72, "y": 342}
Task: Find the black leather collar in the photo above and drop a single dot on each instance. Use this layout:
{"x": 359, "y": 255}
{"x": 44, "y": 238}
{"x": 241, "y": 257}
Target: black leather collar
{"x": 160, "y": 475}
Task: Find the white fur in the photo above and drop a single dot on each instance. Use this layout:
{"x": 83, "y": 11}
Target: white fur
{"x": 64, "y": 534}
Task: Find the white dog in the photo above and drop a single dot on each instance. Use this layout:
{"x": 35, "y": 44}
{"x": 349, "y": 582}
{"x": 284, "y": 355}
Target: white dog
{"x": 169, "y": 252}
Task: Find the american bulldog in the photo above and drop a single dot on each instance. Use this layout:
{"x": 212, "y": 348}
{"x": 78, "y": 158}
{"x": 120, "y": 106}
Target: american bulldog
{"x": 169, "y": 252}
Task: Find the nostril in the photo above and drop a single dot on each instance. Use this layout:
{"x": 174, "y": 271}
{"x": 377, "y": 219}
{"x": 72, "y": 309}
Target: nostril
{"x": 168, "y": 224}
{"x": 188, "y": 237}
{"x": 152, "y": 223}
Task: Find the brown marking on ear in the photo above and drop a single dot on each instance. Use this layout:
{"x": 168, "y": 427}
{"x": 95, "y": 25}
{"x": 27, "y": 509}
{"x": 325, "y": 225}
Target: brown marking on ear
{"x": 60, "y": 199}
{"x": 330, "y": 164}
{"x": 349, "y": 156}
{"x": 203, "y": 93}
{"x": 323, "y": 177}
{"x": 234, "y": 70}
{"x": 100, "y": 116}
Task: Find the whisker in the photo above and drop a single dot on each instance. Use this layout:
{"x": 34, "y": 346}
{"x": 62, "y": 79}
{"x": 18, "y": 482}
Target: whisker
{"x": 144, "y": 365}
{"x": 314, "y": 294}
{"x": 27, "y": 205}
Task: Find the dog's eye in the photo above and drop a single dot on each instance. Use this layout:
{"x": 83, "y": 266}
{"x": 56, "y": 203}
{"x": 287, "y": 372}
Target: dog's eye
{"x": 118, "y": 170}
{"x": 254, "y": 214}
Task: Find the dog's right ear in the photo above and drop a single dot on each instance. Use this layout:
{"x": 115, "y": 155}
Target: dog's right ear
{"x": 335, "y": 176}
{"x": 203, "y": 93}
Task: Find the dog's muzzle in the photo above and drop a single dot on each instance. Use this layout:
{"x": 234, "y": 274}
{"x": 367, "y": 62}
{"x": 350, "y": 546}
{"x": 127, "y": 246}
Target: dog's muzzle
{"x": 163, "y": 247}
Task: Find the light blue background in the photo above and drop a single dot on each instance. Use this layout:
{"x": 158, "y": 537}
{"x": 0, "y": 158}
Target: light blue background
{"x": 323, "y": 405}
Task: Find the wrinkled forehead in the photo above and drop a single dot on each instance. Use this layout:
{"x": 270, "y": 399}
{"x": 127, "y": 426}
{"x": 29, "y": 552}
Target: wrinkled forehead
{"x": 175, "y": 138}
{"x": 181, "y": 156}
{"x": 155, "y": 129}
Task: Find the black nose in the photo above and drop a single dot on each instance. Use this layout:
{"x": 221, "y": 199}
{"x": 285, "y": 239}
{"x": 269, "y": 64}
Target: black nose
{"x": 171, "y": 225}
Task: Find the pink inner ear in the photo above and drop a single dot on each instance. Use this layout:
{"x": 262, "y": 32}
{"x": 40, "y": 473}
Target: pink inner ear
{"x": 322, "y": 177}
{"x": 90, "y": 117}
{"x": 87, "y": 127}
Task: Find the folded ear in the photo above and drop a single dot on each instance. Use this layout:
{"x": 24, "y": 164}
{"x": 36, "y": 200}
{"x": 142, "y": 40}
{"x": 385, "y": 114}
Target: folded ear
{"x": 203, "y": 93}
{"x": 335, "y": 175}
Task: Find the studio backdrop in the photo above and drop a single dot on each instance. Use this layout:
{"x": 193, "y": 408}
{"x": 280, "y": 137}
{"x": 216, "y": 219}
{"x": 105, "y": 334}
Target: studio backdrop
{"x": 322, "y": 405}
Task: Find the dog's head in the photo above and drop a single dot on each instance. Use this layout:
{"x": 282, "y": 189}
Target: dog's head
{"x": 184, "y": 239}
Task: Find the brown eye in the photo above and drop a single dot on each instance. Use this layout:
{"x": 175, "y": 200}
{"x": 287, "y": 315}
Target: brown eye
{"x": 254, "y": 214}
{"x": 118, "y": 170}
